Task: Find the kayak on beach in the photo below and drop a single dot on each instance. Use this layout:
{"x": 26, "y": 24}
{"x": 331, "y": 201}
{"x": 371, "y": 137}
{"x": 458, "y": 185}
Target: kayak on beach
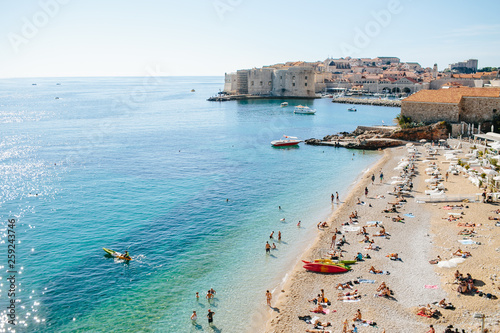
{"x": 116, "y": 254}
{"x": 325, "y": 268}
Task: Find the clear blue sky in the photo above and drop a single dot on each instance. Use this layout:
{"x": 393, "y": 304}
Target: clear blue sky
{"x": 210, "y": 37}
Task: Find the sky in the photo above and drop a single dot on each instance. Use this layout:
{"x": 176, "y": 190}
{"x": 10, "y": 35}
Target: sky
{"x": 58, "y": 38}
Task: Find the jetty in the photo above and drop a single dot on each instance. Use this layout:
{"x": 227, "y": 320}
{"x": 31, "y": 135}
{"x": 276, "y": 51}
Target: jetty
{"x": 224, "y": 98}
{"x": 368, "y": 101}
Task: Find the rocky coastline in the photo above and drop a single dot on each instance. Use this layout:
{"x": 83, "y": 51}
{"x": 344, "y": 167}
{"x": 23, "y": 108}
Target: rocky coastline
{"x": 379, "y": 137}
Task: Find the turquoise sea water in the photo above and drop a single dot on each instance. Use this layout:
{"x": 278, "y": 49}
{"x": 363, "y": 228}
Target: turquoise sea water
{"x": 145, "y": 165}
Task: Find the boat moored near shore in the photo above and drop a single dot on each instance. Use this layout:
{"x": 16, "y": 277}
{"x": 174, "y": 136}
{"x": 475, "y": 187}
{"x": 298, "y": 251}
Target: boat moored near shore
{"x": 286, "y": 141}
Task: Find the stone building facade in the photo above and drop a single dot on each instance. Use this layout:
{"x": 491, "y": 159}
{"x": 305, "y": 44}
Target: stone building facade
{"x": 453, "y": 105}
{"x": 294, "y": 81}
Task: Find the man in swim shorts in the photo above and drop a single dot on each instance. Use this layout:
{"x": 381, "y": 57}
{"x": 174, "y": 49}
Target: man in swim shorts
{"x": 210, "y": 317}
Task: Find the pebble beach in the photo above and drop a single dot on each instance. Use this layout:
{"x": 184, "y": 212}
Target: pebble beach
{"x": 424, "y": 234}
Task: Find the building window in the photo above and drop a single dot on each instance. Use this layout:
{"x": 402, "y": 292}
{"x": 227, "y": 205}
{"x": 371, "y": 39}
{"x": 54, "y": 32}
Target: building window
{"x": 306, "y": 77}
{"x": 261, "y": 83}
{"x": 252, "y": 83}
{"x": 494, "y": 110}
{"x": 293, "y": 84}
{"x": 293, "y": 77}
{"x": 305, "y": 84}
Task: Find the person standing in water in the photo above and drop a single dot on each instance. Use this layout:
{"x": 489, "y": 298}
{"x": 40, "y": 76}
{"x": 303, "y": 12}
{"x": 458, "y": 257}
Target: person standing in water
{"x": 193, "y": 318}
{"x": 210, "y": 317}
{"x": 269, "y": 296}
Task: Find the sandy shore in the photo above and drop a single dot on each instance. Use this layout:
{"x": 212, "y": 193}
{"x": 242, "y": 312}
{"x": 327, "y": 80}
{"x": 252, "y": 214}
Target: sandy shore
{"x": 413, "y": 280}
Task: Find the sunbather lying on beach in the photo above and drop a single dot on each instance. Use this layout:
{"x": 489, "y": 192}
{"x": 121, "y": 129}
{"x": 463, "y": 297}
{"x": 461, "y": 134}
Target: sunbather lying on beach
{"x": 318, "y": 309}
{"x": 390, "y": 210}
{"x": 435, "y": 261}
{"x": 342, "y": 286}
{"x": 397, "y": 219}
{"x": 375, "y": 271}
{"x": 354, "y": 214}
{"x": 427, "y": 311}
{"x": 393, "y": 256}
{"x": 461, "y": 253}
{"x": 466, "y": 232}
{"x": 468, "y": 225}
{"x": 452, "y": 218}
{"x": 349, "y": 293}
{"x": 493, "y": 218}
{"x": 348, "y": 298}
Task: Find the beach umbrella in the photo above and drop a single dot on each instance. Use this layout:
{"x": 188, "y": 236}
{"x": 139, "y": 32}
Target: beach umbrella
{"x": 457, "y": 260}
{"x": 490, "y": 172}
{"x": 446, "y": 264}
{"x": 442, "y": 140}
{"x": 423, "y": 140}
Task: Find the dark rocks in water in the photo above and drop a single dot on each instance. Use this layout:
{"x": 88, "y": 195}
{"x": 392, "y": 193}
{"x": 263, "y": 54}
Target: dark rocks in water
{"x": 373, "y": 138}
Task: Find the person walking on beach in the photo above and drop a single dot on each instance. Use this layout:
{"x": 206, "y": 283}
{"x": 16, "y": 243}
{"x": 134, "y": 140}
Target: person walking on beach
{"x": 337, "y": 193}
{"x": 446, "y": 175}
{"x": 373, "y": 178}
{"x": 210, "y": 317}
{"x": 366, "y": 191}
{"x": 381, "y": 176}
{"x": 279, "y": 235}
{"x": 334, "y": 238}
{"x": 269, "y": 296}
{"x": 268, "y": 248}
{"x": 333, "y": 197}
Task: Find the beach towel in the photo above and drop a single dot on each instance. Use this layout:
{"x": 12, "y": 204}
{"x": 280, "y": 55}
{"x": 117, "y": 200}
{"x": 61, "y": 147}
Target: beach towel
{"x": 351, "y": 300}
{"x": 429, "y": 286}
{"x": 348, "y": 228}
{"x": 423, "y": 315}
{"x": 373, "y": 222}
{"x": 409, "y": 215}
{"x": 366, "y": 281}
{"x": 383, "y": 272}
{"x": 466, "y": 241}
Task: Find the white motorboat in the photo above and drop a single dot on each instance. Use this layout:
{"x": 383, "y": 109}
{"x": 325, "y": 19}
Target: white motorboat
{"x": 300, "y": 109}
{"x": 284, "y": 104}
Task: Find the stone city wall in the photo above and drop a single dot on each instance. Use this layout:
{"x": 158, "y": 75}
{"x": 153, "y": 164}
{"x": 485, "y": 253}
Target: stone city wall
{"x": 430, "y": 112}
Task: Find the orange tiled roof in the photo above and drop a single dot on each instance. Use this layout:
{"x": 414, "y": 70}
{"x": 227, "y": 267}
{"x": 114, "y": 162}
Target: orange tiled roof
{"x": 451, "y": 95}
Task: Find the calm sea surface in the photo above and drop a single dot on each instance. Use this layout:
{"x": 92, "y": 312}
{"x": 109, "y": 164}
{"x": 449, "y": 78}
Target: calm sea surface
{"x": 190, "y": 188}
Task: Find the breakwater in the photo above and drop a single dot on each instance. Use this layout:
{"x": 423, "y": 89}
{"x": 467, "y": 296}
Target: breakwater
{"x": 368, "y": 101}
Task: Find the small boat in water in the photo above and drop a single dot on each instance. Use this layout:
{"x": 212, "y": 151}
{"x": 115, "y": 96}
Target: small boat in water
{"x": 300, "y": 109}
{"x": 352, "y": 109}
{"x": 192, "y": 90}
{"x": 284, "y": 104}
{"x": 286, "y": 141}
{"x": 115, "y": 254}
